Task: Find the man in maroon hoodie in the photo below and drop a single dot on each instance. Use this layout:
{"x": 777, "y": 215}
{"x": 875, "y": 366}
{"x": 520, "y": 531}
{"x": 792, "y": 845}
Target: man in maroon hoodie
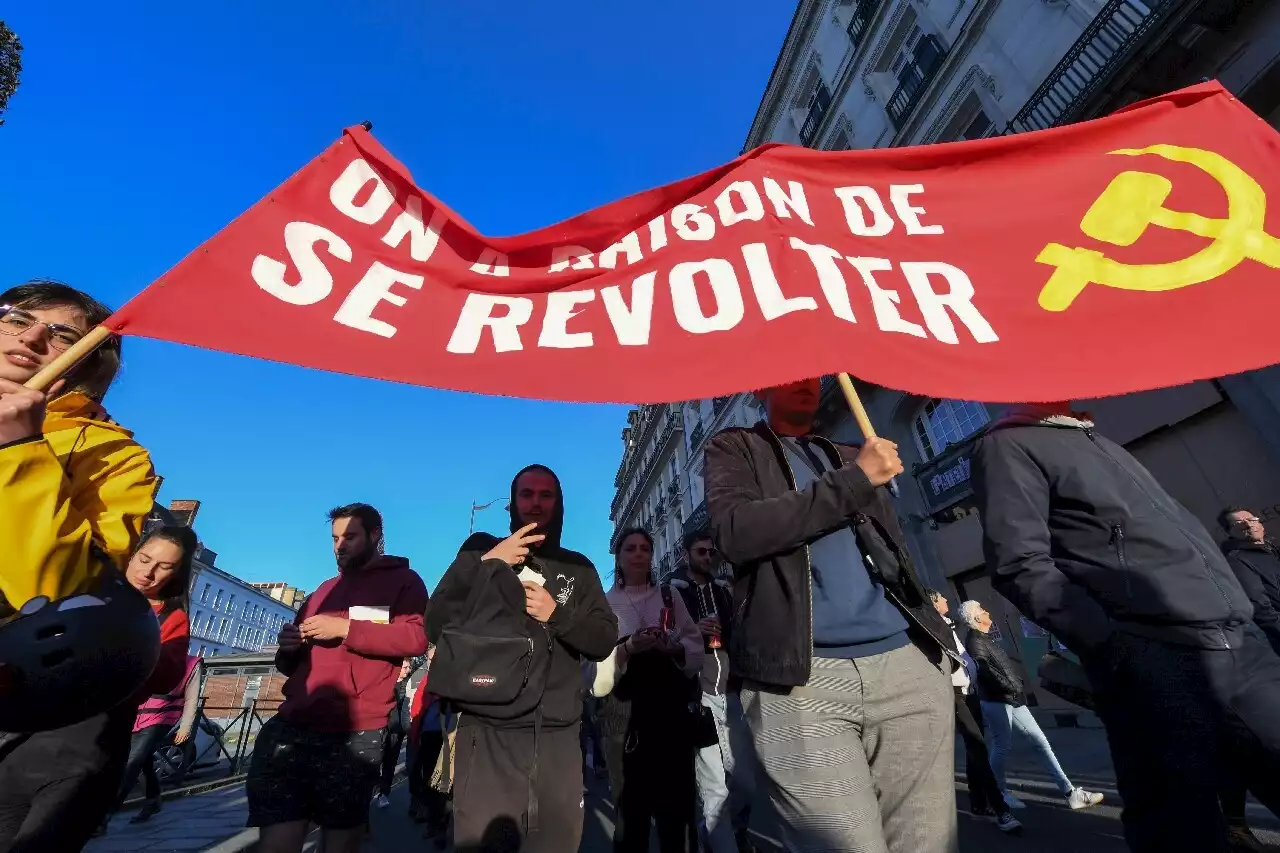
{"x": 317, "y": 760}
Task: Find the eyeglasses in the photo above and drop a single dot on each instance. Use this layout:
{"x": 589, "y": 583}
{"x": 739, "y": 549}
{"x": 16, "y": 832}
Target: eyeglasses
{"x": 1247, "y": 521}
{"x": 15, "y": 321}
{"x": 705, "y": 552}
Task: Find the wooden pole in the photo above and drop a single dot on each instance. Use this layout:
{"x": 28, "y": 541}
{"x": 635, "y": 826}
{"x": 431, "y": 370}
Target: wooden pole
{"x": 860, "y": 415}
{"x": 60, "y": 366}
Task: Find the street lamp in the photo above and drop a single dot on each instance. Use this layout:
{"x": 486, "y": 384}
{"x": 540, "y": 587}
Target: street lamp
{"x": 475, "y": 507}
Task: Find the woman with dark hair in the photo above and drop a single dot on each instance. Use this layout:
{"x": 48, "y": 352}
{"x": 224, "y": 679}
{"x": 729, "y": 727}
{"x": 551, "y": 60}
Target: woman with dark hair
{"x": 161, "y": 570}
{"x": 647, "y": 720}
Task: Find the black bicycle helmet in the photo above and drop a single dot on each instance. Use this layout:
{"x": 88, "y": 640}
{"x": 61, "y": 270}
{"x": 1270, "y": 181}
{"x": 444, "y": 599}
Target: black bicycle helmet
{"x": 64, "y": 661}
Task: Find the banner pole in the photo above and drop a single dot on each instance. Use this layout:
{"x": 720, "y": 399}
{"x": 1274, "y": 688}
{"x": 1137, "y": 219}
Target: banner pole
{"x": 56, "y": 369}
{"x": 860, "y": 415}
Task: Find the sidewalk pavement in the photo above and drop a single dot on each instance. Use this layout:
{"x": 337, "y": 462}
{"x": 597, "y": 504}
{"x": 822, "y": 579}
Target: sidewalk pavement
{"x": 197, "y": 822}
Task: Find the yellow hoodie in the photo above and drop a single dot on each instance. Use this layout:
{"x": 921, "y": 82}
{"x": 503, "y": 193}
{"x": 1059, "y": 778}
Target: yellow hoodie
{"x": 85, "y": 485}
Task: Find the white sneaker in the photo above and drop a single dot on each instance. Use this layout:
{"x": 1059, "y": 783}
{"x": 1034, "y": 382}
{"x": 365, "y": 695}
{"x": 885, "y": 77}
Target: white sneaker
{"x": 1013, "y": 802}
{"x": 381, "y": 801}
{"x": 1079, "y": 798}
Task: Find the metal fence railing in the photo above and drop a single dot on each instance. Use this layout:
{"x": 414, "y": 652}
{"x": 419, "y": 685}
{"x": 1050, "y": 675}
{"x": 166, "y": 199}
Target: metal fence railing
{"x": 221, "y": 742}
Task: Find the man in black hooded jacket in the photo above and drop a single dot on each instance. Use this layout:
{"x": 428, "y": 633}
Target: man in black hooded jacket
{"x": 518, "y": 780}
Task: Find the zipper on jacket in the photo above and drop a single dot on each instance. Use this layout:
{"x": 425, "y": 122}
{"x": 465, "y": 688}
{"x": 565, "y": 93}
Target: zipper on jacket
{"x": 1117, "y": 541}
{"x": 808, "y": 558}
{"x": 1208, "y": 570}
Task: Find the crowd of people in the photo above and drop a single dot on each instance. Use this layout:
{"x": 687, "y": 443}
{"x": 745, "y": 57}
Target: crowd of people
{"x": 823, "y": 683}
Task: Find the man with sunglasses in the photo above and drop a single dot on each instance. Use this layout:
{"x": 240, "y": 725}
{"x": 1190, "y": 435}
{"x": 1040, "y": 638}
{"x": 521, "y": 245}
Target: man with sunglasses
{"x": 1256, "y": 561}
{"x": 723, "y": 775}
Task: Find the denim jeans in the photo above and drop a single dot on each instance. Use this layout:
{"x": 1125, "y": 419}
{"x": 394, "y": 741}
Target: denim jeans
{"x": 1002, "y": 721}
{"x": 725, "y": 780}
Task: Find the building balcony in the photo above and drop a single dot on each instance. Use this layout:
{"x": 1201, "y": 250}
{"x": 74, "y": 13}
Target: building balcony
{"x": 914, "y": 79}
{"x": 673, "y": 493}
{"x": 819, "y": 103}
{"x": 699, "y": 519}
{"x": 860, "y": 20}
{"x": 1106, "y": 44}
{"x": 695, "y": 437}
{"x": 669, "y": 427}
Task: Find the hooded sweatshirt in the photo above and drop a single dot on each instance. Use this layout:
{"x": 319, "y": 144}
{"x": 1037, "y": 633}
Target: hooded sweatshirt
{"x": 582, "y": 624}
{"x": 349, "y": 685}
{"x": 69, "y": 498}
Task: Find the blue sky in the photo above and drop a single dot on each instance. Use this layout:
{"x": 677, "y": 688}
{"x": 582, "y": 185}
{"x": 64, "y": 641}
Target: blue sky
{"x": 140, "y": 129}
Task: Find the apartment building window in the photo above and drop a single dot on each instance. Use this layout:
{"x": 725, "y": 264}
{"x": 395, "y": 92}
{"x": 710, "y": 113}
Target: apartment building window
{"x": 942, "y": 423}
{"x": 201, "y": 653}
{"x": 217, "y": 599}
{"x": 204, "y": 594}
{"x": 858, "y": 14}
{"x": 224, "y": 629}
{"x": 244, "y": 613}
{"x": 231, "y": 603}
{"x": 815, "y": 112}
{"x": 916, "y": 72}
{"x": 969, "y": 122}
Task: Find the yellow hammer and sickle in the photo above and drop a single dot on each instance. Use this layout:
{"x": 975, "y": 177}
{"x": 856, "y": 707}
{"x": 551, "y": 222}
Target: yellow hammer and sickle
{"x": 1135, "y": 200}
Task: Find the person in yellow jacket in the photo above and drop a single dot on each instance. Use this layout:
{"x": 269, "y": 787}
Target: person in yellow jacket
{"x": 75, "y": 488}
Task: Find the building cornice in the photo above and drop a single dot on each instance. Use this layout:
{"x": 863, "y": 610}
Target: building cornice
{"x": 804, "y": 24}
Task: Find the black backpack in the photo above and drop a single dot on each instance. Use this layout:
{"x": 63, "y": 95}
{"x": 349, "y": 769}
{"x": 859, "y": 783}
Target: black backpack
{"x": 492, "y": 659}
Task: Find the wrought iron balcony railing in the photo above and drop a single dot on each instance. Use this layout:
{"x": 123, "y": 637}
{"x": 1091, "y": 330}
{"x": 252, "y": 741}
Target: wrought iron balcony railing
{"x": 1106, "y": 43}
{"x": 860, "y": 19}
{"x": 819, "y": 103}
{"x": 914, "y": 79}
{"x": 699, "y": 519}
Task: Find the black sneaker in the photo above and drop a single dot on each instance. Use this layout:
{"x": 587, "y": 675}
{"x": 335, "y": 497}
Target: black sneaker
{"x": 984, "y": 813}
{"x": 1007, "y": 822}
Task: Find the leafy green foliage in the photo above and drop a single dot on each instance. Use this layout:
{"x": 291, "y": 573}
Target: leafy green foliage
{"x": 10, "y": 65}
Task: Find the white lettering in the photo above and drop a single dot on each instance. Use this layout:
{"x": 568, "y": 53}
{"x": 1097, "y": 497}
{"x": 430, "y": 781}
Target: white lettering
{"x": 422, "y": 240}
{"x": 491, "y": 262}
{"x": 784, "y": 203}
{"x": 830, "y": 277}
{"x": 724, "y": 287}
{"x": 477, "y": 314}
{"x": 561, "y": 308}
{"x": 933, "y": 305}
{"x": 356, "y": 310}
{"x": 855, "y": 213}
{"x": 752, "y": 206}
{"x": 351, "y": 183}
{"x": 570, "y": 257}
{"x": 691, "y": 223}
{"x": 657, "y": 234}
{"x": 631, "y": 322}
{"x": 900, "y": 198}
{"x": 884, "y": 302}
{"x": 629, "y": 244}
{"x": 315, "y": 282}
{"x": 773, "y": 304}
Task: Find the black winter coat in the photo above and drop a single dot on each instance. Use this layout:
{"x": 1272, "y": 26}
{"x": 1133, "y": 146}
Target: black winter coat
{"x": 998, "y": 681}
{"x": 1257, "y": 567}
{"x": 1084, "y": 541}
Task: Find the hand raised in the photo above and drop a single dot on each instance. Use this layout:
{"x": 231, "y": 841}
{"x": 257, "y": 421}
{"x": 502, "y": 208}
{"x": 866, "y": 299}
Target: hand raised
{"x": 879, "y": 460}
{"x": 515, "y": 547}
{"x": 22, "y": 410}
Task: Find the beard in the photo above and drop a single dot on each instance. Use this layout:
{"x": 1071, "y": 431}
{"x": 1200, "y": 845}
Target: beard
{"x": 355, "y": 560}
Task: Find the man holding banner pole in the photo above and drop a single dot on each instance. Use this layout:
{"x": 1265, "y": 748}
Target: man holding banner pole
{"x": 846, "y": 673}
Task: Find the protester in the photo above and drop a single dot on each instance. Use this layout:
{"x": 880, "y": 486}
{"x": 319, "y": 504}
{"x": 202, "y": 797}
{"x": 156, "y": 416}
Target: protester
{"x": 518, "y": 773}
{"x": 1256, "y": 562}
{"x": 393, "y": 740}
{"x": 426, "y": 738}
{"x": 1004, "y": 705}
{"x": 317, "y": 760}
{"x": 648, "y": 719}
{"x": 725, "y": 776}
{"x": 1083, "y": 540}
{"x": 832, "y": 625}
{"x": 155, "y": 720}
{"x": 986, "y": 795}
{"x": 57, "y": 786}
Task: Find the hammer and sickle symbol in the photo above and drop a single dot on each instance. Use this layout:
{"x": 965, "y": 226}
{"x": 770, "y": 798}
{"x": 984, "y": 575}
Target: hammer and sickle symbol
{"x": 1135, "y": 200}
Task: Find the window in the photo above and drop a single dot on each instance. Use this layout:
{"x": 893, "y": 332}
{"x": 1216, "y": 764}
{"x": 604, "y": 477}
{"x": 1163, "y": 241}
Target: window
{"x": 815, "y": 112}
{"x": 195, "y": 622}
{"x": 969, "y": 122}
{"x": 204, "y": 594}
{"x": 914, "y": 75}
{"x": 245, "y": 612}
{"x": 200, "y": 653}
{"x": 223, "y": 630}
{"x": 231, "y": 604}
{"x": 942, "y": 423}
{"x": 217, "y": 598}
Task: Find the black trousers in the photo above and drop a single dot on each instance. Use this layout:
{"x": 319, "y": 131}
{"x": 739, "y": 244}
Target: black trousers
{"x": 1179, "y": 721}
{"x": 654, "y": 789}
{"x": 514, "y": 791}
{"x": 141, "y": 748}
{"x": 56, "y": 786}
{"x": 984, "y": 790}
{"x": 422, "y": 763}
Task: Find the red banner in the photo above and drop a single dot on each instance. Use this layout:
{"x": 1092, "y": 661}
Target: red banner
{"x": 1117, "y": 255}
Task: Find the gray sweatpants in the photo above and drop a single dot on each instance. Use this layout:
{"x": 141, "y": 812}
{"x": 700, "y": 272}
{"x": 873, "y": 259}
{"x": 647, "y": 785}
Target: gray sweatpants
{"x": 862, "y": 758}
